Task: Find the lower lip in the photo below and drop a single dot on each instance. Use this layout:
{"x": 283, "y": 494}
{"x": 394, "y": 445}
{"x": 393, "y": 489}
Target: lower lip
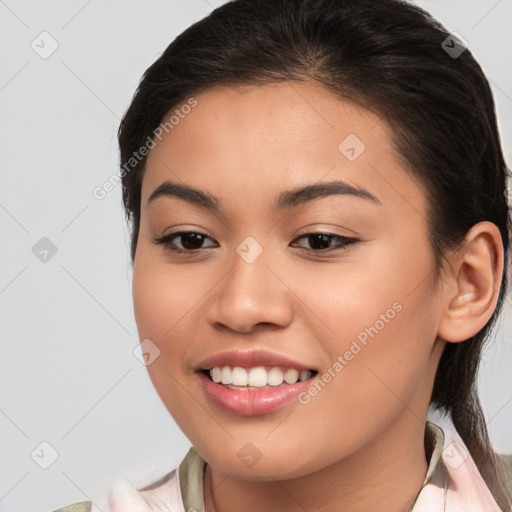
{"x": 252, "y": 402}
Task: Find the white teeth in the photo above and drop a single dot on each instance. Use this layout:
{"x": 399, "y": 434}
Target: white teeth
{"x": 291, "y": 376}
{"x": 216, "y": 374}
{"x": 305, "y": 374}
{"x": 257, "y": 377}
{"x": 239, "y": 376}
{"x": 275, "y": 377}
{"x": 226, "y": 375}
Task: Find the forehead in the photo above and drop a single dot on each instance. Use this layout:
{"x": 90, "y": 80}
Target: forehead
{"x": 275, "y": 116}
{"x": 251, "y": 139}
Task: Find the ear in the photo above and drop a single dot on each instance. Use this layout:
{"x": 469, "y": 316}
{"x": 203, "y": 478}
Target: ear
{"x": 473, "y": 282}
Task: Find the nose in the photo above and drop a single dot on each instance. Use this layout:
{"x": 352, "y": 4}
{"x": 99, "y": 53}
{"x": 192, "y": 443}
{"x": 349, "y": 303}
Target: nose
{"x": 250, "y": 295}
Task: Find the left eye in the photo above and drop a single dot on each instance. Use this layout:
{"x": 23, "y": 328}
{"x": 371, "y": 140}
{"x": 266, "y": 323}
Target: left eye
{"x": 320, "y": 241}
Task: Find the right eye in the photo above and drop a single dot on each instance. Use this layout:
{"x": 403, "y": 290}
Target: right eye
{"x": 191, "y": 241}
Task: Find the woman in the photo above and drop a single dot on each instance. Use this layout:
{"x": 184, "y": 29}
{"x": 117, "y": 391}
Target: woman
{"x": 320, "y": 233}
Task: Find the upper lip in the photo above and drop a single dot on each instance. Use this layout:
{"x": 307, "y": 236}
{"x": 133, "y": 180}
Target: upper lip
{"x": 250, "y": 359}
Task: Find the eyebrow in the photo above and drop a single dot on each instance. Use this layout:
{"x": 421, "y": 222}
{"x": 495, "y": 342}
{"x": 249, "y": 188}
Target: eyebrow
{"x": 287, "y": 199}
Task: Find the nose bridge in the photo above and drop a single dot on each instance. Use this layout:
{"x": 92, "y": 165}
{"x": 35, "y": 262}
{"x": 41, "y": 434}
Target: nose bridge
{"x": 249, "y": 293}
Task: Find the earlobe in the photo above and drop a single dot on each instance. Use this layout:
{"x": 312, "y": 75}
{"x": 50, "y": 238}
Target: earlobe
{"x": 474, "y": 283}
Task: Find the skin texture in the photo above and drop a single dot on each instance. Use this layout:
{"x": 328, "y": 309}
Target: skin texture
{"x": 359, "y": 442}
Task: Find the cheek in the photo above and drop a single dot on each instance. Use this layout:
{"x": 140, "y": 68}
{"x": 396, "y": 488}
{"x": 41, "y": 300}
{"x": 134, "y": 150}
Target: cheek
{"x": 163, "y": 299}
{"x": 367, "y": 386}
{"x": 364, "y": 295}
{"x": 382, "y": 324}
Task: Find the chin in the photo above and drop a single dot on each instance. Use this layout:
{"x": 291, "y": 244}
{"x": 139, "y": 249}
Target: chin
{"x": 245, "y": 461}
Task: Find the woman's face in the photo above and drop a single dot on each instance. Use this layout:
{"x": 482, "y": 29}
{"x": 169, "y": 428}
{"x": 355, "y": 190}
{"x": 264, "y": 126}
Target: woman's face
{"x": 334, "y": 280}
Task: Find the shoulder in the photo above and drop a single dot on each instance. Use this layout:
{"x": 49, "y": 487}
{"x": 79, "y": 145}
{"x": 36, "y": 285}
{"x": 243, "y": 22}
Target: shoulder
{"x": 83, "y": 506}
{"x": 122, "y": 496}
{"x": 506, "y": 468}
{"x": 179, "y": 490}
{"x": 455, "y": 482}
{"x": 506, "y": 462}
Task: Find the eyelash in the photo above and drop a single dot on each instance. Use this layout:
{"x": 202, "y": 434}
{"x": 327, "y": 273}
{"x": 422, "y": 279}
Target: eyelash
{"x": 166, "y": 241}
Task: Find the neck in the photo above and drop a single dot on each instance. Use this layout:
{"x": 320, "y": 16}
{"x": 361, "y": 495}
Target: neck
{"x": 391, "y": 470}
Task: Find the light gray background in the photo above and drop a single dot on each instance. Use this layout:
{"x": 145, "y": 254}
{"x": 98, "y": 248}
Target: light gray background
{"x": 68, "y": 373}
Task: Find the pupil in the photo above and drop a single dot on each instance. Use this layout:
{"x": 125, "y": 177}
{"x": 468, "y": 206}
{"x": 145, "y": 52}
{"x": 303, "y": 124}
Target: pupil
{"x": 193, "y": 238}
{"x": 319, "y": 238}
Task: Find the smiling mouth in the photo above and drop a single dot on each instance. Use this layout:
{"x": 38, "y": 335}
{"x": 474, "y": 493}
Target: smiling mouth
{"x": 257, "y": 377}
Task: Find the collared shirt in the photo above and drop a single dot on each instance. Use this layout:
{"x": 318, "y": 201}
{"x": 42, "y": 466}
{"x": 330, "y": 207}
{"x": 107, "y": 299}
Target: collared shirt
{"x": 452, "y": 484}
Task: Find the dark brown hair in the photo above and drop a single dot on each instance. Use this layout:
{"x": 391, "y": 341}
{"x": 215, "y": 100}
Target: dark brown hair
{"x": 389, "y": 57}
